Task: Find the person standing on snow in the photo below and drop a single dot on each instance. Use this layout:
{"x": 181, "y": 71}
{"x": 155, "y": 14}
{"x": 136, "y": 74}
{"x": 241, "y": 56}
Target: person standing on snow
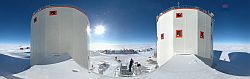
{"x": 131, "y": 64}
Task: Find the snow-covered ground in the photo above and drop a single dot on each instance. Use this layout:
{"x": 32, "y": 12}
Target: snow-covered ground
{"x": 14, "y": 51}
{"x": 14, "y": 64}
{"x": 188, "y": 67}
{"x": 232, "y": 59}
{"x": 142, "y": 57}
{"x": 13, "y": 60}
{"x": 229, "y": 48}
{"x": 100, "y": 46}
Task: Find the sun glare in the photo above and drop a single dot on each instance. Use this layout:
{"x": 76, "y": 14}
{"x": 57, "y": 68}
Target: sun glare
{"x": 99, "y": 30}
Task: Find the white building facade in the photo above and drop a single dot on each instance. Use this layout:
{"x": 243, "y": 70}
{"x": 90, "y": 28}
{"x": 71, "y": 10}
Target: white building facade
{"x": 59, "y": 33}
{"x": 184, "y": 31}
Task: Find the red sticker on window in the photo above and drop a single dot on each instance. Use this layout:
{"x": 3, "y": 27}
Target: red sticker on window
{"x": 201, "y": 35}
{"x": 178, "y": 33}
{"x": 178, "y": 15}
{"x": 53, "y": 13}
{"x": 162, "y": 36}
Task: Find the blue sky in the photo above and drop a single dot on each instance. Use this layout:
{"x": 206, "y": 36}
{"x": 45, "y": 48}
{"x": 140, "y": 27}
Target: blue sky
{"x": 127, "y": 21}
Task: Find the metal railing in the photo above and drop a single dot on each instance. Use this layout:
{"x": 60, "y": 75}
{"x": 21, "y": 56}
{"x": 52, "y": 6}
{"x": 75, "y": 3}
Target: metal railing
{"x": 185, "y": 6}
{"x": 51, "y": 5}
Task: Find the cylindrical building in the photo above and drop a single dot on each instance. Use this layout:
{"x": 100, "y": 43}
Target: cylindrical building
{"x": 184, "y": 30}
{"x": 58, "y": 31}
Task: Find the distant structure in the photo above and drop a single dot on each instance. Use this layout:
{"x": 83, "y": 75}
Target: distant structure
{"x": 59, "y": 33}
{"x": 124, "y": 51}
{"x": 184, "y": 30}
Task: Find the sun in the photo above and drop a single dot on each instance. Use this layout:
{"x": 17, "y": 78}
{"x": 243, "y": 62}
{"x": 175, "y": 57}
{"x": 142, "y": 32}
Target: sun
{"x": 99, "y": 30}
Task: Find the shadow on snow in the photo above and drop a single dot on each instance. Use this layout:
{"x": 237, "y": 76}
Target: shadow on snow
{"x": 239, "y": 64}
{"x": 11, "y": 65}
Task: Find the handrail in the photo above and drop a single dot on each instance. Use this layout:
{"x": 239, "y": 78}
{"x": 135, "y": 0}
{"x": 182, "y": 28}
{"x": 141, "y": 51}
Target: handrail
{"x": 56, "y": 5}
{"x": 185, "y": 6}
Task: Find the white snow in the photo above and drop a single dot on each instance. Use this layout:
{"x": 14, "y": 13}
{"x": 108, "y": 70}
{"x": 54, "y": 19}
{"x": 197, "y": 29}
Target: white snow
{"x": 187, "y": 67}
{"x": 62, "y": 70}
{"x": 179, "y": 67}
{"x": 104, "y": 46}
{"x": 14, "y": 50}
{"x": 96, "y": 57}
{"x": 229, "y": 48}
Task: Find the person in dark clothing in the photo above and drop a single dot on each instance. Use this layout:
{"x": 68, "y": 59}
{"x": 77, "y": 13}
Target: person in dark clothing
{"x": 131, "y": 64}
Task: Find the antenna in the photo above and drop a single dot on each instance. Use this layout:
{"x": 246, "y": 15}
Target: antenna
{"x": 178, "y": 4}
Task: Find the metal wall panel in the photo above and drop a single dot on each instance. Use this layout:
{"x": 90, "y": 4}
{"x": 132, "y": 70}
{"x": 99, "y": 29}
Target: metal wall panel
{"x": 188, "y": 24}
{"x": 165, "y": 46}
{"x": 191, "y": 23}
{"x": 59, "y": 37}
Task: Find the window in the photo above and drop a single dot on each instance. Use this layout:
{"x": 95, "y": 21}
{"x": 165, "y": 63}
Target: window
{"x": 201, "y": 35}
{"x": 178, "y": 15}
{"x": 53, "y": 13}
{"x": 35, "y": 20}
{"x": 211, "y": 37}
{"x": 178, "y": 33}
{"x": 162, "y": 36}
